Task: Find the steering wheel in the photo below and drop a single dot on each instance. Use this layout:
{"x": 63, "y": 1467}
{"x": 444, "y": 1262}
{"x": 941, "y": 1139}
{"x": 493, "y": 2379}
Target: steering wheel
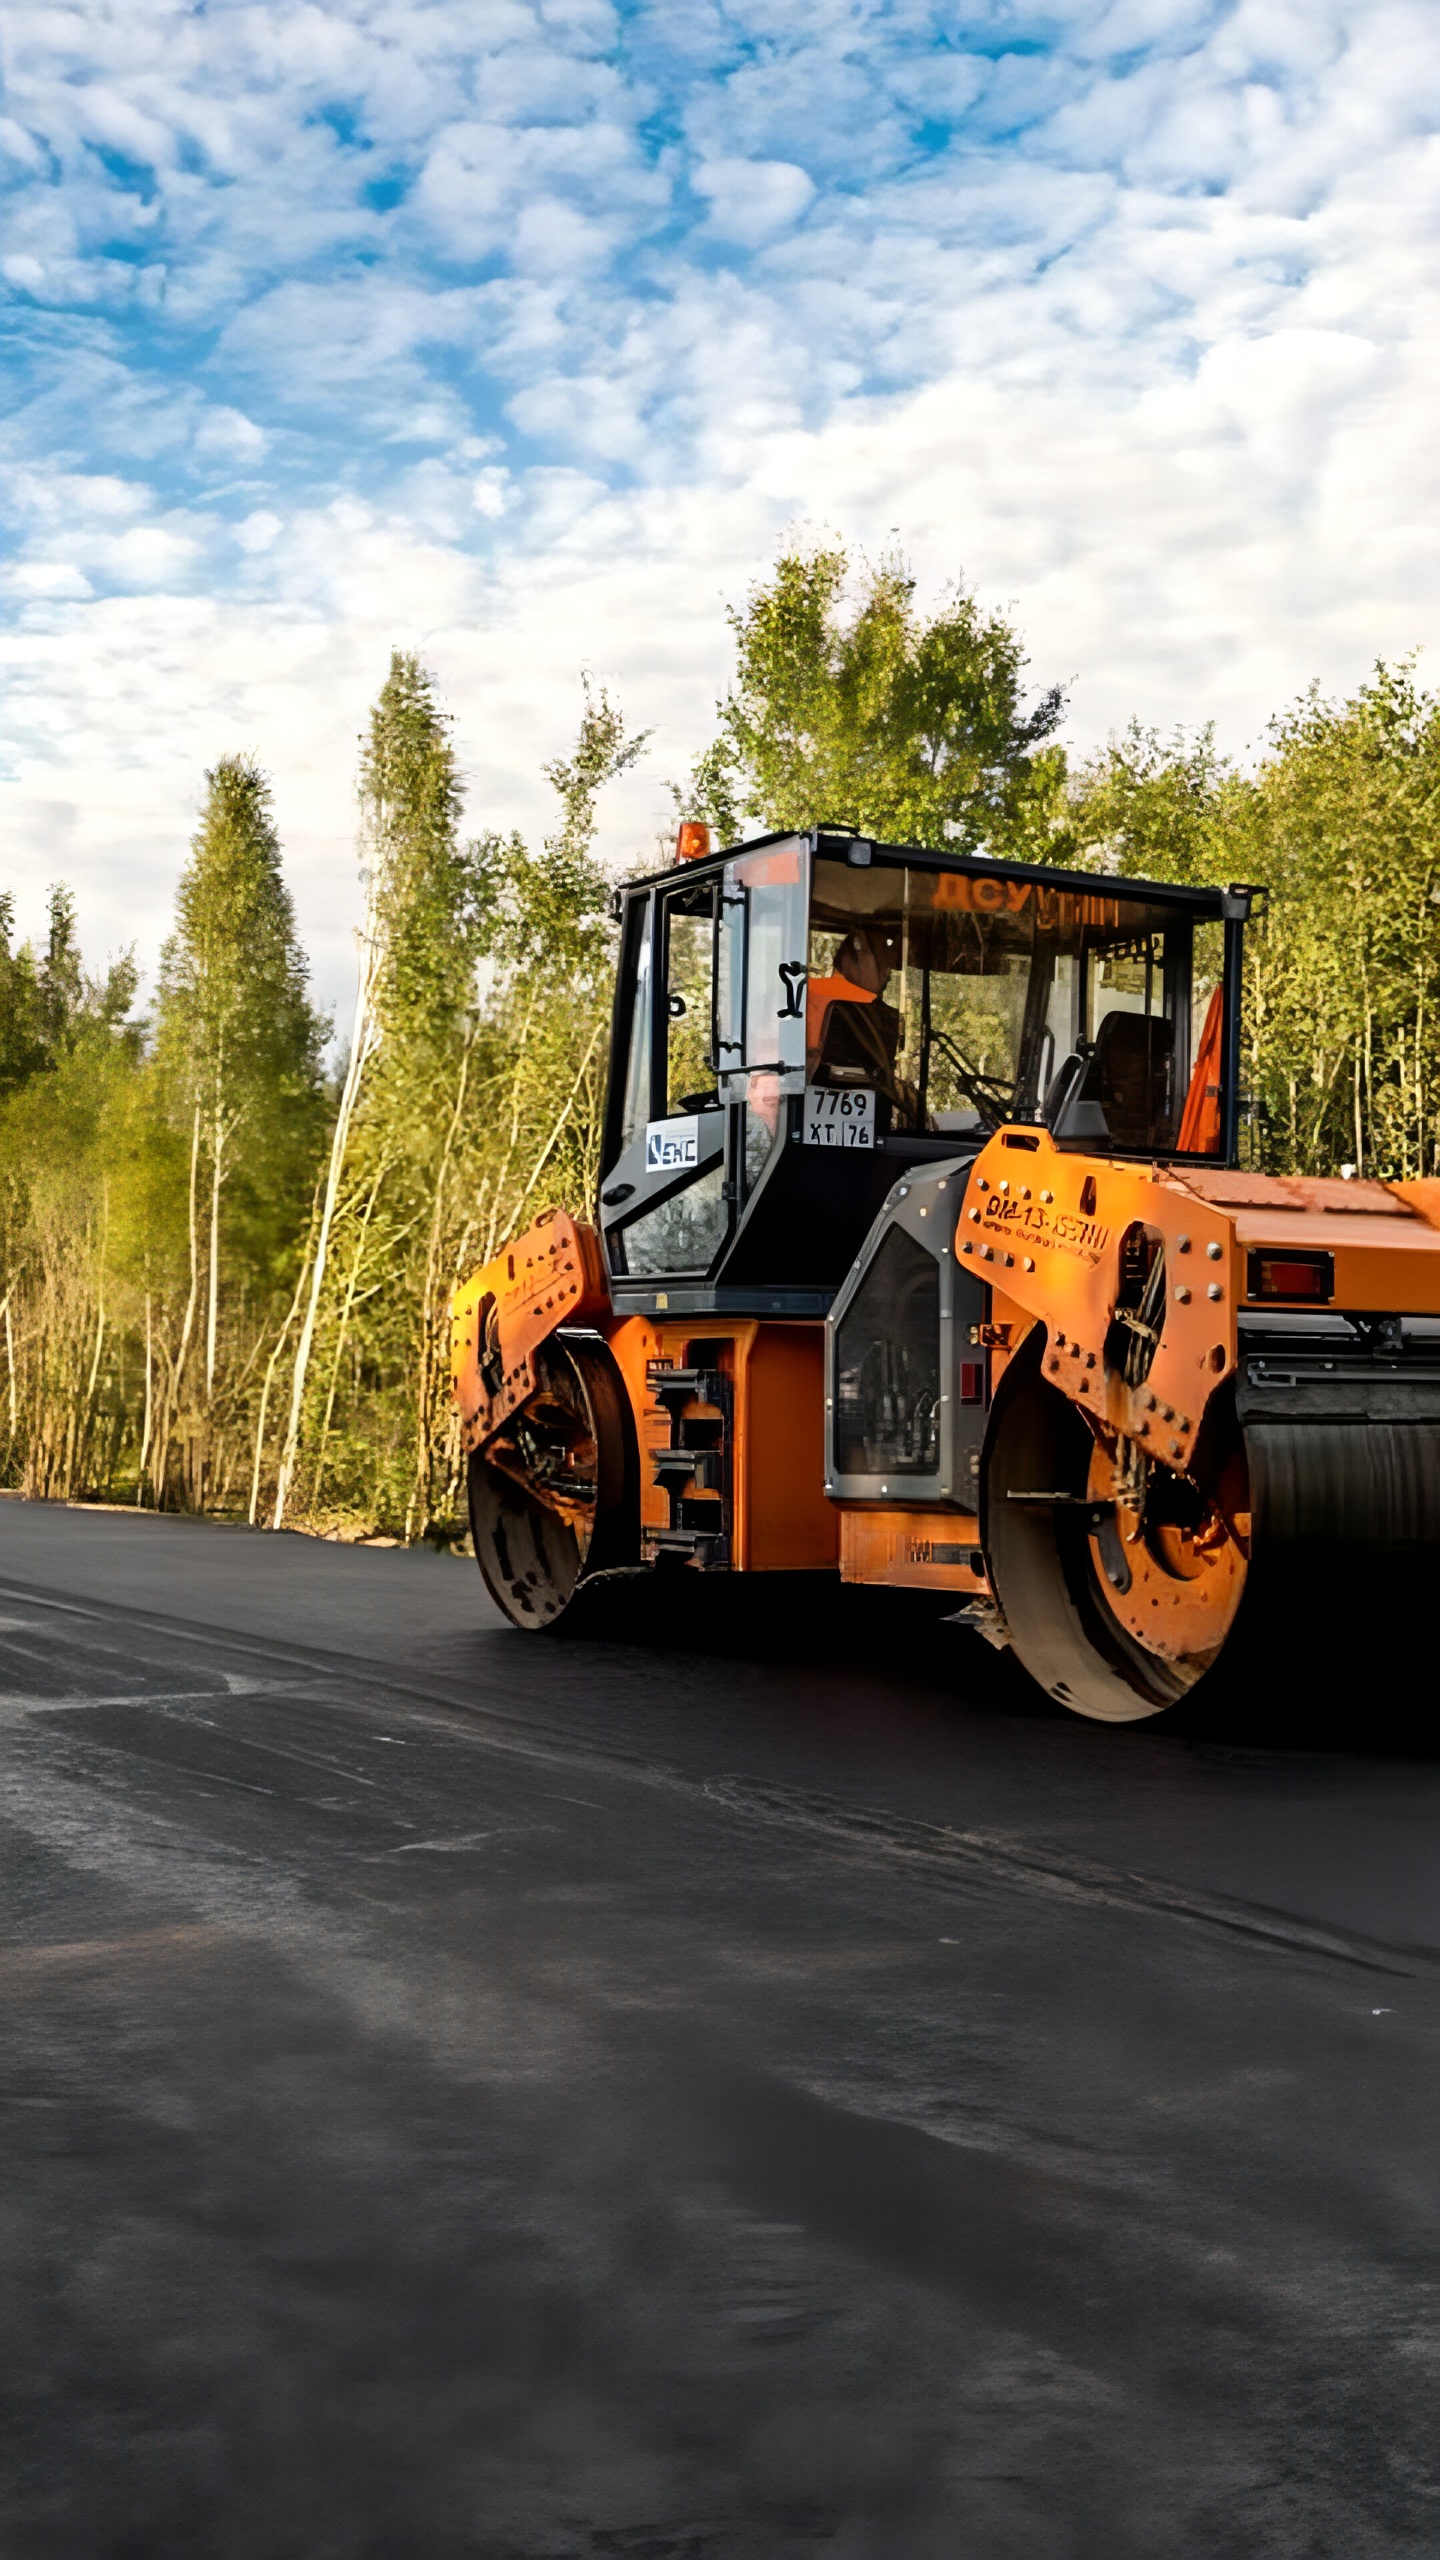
{"x": 990, "y": 1097}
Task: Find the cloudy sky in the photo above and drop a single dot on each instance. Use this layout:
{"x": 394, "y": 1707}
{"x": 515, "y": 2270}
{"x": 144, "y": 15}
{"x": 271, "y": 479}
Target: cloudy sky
{"x": 519, "y": 331}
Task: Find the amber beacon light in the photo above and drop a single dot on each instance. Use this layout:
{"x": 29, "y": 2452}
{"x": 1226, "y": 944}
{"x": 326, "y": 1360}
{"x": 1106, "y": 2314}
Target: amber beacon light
{"x": 692, "y": 840}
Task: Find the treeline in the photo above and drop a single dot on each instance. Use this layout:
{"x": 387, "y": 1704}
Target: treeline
{"x": 224, "y": 1274}
{"x": 226, "y": 1265}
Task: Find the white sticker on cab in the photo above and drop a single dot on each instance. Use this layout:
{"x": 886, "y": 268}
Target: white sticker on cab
{"x": 671, "y": 1145}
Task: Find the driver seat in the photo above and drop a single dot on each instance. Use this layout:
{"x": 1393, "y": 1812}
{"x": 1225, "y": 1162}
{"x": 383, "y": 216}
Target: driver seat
{"x": 858, "y": 1042}
{"x": 1121, "y": 1090}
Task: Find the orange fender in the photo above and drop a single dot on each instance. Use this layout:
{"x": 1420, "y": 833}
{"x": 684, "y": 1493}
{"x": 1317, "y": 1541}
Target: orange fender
{"x": 553, "y": 1274}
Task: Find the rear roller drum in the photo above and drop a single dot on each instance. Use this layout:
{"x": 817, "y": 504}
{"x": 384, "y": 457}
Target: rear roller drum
{"x": 552, "y": 1497}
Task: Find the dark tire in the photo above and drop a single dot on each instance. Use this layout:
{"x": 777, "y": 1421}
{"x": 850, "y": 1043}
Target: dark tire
{"x": 575, "y": 1442}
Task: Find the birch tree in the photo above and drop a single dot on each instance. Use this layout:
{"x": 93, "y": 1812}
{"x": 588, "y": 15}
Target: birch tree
{"x": 422, "y": 933}
{"x": 238, "y": 1047}
{"x": 60, "y": 1163}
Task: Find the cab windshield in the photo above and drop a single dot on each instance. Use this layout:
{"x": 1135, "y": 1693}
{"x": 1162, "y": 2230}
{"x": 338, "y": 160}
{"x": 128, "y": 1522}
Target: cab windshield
{"x": 963, "y": 999}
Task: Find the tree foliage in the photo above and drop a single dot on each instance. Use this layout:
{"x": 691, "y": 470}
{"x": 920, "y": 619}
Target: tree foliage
{"x": 1340, "y": 823}
{"x": 236, "y": 1056}
{"x": 236, "y": 1034}
{"x": 850, "y": 708}
{"x": 471, "y": 1099}
{"x": 1343, "y": 821}
{"x": 69, "y": 1166}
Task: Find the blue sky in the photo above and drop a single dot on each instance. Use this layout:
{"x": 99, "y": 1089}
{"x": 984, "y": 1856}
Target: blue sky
{"x": 522, "y": 333}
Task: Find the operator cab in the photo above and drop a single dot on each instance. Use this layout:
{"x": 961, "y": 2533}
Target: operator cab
{"x": 800, "y": 1018}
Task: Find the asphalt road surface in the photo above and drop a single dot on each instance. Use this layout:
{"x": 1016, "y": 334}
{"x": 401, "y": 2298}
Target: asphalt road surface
{"x": 728, "y": 2083}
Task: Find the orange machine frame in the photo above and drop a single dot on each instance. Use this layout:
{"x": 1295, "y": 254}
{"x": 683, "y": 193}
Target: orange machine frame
{"x": 1042, "y": 1227}
{"x": 779, "y": 1518}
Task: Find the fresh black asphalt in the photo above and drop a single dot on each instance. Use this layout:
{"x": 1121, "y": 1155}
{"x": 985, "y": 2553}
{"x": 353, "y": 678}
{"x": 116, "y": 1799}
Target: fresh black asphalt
{"x": 735, "y": 2081}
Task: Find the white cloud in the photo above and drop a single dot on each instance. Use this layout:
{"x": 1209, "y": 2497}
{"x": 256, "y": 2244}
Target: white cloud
{"x": 1138, "y": 330}
{"x": 47, "y": 578}
{"x": 228, "y": 436}
{"x": 750, "y": 200}
{"x": 20, "y": 146}
{"x": 259, "y": 531}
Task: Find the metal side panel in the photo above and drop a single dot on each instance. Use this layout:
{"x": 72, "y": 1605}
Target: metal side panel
{"x": 922, "y": 1207}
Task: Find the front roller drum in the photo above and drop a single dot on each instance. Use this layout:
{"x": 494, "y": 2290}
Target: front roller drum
{"x": 1299, "y": 1556}
{"x": 553, "y": 1498}
{"x": 1115, "y": 1612}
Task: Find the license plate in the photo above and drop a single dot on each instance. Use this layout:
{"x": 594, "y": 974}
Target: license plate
{"x": 841, "y": 1117}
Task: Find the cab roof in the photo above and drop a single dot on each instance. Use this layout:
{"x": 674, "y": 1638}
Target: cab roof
{"x": 841, "y": 844}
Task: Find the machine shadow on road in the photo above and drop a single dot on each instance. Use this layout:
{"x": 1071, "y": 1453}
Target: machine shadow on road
{"x": 1301, "y": 1685}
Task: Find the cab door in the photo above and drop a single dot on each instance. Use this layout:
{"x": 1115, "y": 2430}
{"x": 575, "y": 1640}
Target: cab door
{"x": 665, "y": 1203}
{"x": 761, "y": 1002}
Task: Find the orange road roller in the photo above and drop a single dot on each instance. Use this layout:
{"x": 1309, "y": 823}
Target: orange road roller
{"x": 923, "y": 1254}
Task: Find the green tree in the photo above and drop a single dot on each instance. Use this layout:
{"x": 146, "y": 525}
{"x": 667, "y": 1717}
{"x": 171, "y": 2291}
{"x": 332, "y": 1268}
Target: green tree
{"x": 61, "y": 976}
{"x": 1342, "y": 821}
{"x": 46, "y": 999}
{"x": 547, "y": 1010}
{"x": 237, "y": 1049}
{"x": 61, "y": 1172}
{"x": 866, "y": 714}
{"x": 403, "y": 1089}
{"x": 471, "y": 1099}
{"x": 1154, "y": 807}
{"x": 24, "y": 1048}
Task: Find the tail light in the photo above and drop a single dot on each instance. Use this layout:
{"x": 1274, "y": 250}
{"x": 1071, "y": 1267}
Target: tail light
{"x": 692, "y": 840}
{"x": 1308, "y": 1278}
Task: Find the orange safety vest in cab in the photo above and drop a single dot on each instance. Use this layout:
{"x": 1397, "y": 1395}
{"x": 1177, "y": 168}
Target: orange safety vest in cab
{"x": 820, "y": 994}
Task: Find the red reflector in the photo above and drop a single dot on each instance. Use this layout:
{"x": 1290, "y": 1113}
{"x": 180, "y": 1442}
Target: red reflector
{"x": 972, "y": 1382}
{"x": 1293, "y": 1275}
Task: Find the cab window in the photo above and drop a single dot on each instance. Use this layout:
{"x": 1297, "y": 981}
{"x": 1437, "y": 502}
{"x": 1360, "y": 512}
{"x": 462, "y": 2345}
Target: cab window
{"x": 963, "y": 999}
{"x": 762, "y": 993}
{"x": 635, "y": 979}
{"x": 686, "y": 1026}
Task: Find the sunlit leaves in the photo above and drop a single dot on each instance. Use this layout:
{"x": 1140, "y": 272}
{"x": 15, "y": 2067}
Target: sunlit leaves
{"x": 849, "y": 708}
{"x": 1341, "y": 823}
